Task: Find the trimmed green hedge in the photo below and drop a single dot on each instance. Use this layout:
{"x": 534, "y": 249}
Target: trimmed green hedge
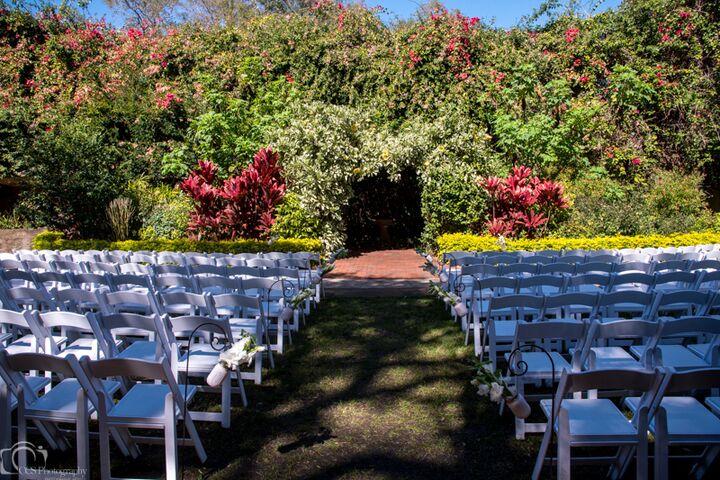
{"x": 56, "y": 241}
{"x": 468, "y": 242}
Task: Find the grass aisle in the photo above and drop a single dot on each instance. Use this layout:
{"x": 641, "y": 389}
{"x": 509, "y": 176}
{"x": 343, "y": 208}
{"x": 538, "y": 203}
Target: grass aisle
{"x": 372, "y": 388}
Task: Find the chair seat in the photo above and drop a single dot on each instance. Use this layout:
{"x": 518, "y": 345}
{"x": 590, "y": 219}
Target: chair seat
{"x": 61, "y": 400}
{"x": 676, "y": 356}
{"x": 144, "y": 401}
{"x": 594, "y": 418}
{"x": 687, "y": 418}
{"x": 538, "y": 364}
{"x": 203, "y": 358}
{"x": 614, "y": 358}
{"x": 714, "y": 404}
{"x": 699, "y": 349}
{"x": 140, "y": 350}
{"x": 36, "y": 384}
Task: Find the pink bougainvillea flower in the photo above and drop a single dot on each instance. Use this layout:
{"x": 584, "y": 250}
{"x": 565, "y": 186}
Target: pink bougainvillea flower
{"x": 636, "y": 161}
{"x": 570, "y": 34}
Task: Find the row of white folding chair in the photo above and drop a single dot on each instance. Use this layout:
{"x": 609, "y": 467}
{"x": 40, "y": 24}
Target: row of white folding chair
{"x": 99, "y": 336}
{"x": 161, "y": 277}
{"x": 457, "y": 254}
{"x": 145, "y": 298}
{"x": 585, "y": 343}
{"x": 88, "y": 387}
{"x": 598, "y": 422}
{"x": 504, "y": 312}
{"x": 161, "y": 303}
{"x": 151, "y": 257}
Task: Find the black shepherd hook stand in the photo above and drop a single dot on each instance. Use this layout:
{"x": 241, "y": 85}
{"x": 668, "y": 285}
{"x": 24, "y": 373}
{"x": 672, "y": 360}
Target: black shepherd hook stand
{"x": 520, "y": 368}
{"x": 216, "y": 344}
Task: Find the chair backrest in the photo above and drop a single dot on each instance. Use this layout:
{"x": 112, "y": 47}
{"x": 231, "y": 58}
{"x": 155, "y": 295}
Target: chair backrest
{"x": 670, "y": 266}
{"x": 133, "y": 369}
{"x": 571, "y": 259}
{"x": 479, "y": 270}
{"x": 17, "y": 278}
{"x": 175, "y": 283}
{"x": 613, "y": 304}
{"x": 217, "y": 284}
{"x": 128, "y": 282}
{"x": 73, "y": 322}
{"x": 243, "y": 271}
{"x": 118, "y": 302}
{"x": 635, "y": 258}
{"x": 138, "y": 257}
{"x": 642, "y": 267}
{"x": 154, "y": 327}
{"x": 573, "y": 299}
{"x": 467, "y": 261}
{"x": 135, "y": 269}
{"x": 77, "y": 300}
{"x": 622, "y": 329}
{"x": 708, "y": 280}
{"x": 170, "y": 258}
{"x": 53, "y": 280}
{"x": 11, "y": 264}
{"x": 276, "y": 255}
{"x": 502, "y": 259}
{"x": 37, "y": 266}
{"x": 631, "y": 281}
{"x": 185, "y": 303}
{"x": 206, "y": 270}
{"x": 538, "y": 259}
{"x": 25, "y": 298}
{"x": 701, "y": 379}
{"x": 294, "y": 263}
{"x": 102, "y": 268}
{"x": 261, "y": 262}
{"x": 520, "y": 306}
{"x": 90, "y": 281}
{"x": 229, "y": 261}
{"x": 454, "y": 256}
{"x": 518, "y": 269}
{"x": 594, "y": 267}
{"x": 169, "y": 269}
{"x": 235, "y": 302}
{"x": 589, "y": 282}
{"x": 198, "y": 259}
{"x": 66, "y": 266}
{"x": 697, "y": 302}
{"x": 713, "y": 265}
{"x": 557, "y": 269}
{"x": 675, "y": 280}
{"x": 663, "y": 256}
{"x": 541, "y": 284}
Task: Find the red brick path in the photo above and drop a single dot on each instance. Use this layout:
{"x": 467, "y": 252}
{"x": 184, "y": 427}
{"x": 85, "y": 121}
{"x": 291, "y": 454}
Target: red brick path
{"x": 383, "y": 264}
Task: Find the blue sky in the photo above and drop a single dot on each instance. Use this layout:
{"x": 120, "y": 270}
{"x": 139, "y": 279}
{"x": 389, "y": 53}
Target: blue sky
{"x": 505, "y": 12}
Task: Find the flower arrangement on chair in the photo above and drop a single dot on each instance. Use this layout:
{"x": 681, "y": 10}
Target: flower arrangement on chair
{"x": 242, "y": 351}
{"x": 449, "y": 298}
{"x": 491, "y": 383}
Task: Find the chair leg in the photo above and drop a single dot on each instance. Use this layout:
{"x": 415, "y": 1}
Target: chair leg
{"x": 542, "y": 452}
{"x": 563, "y": 449}
{"x": 22, "y": 430}
{"x": 225, "y": 401}
{"x": 5, "y": 427}
{"x": 104, "y": 438}
{"x": 708, "y": 457}
{"x": 476, "y": 337}
{"x": 170, "y": 431}
{"x": 195, "y": 436}
{"x": 241, "y": 385}
{"x": 82, "y": 440}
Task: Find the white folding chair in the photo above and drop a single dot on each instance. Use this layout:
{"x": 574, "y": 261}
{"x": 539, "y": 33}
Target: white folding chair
{"x": 597, "y": 422}
{"x": 154, "y": 406}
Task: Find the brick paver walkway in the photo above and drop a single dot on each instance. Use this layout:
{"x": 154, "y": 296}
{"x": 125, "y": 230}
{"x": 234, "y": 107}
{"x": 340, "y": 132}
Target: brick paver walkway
{"x": 379, "y": 273}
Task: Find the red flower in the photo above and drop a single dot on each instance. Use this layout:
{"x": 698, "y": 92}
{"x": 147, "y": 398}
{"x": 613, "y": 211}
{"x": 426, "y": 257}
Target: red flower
{"x": 289, "y": 78}
{"x": 570, "y": 34}
{"x": 636, "y": 161}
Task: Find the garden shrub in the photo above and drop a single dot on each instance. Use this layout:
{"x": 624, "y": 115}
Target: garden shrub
{"x": 243, "y": 206}
{"x": 51, "y": 240}
{"x": 163, "y": 211}
{"x": 468, "y": 242}
{"x": 292, "y": 221}
{"x": 74, "y": 171}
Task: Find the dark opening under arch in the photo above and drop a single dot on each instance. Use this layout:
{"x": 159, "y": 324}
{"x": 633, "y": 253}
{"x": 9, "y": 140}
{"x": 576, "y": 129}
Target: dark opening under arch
{"x": 383, "y": 214}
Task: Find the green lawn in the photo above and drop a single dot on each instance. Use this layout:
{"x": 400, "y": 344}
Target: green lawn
{"x": 371, "y": 388}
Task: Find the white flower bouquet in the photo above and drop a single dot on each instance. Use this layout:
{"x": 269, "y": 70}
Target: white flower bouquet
{"x": 294, "y": 303}
{"x": 243, "y": 351}
{"x": 491, "y": 383}
{"x": 449, "y": 298}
